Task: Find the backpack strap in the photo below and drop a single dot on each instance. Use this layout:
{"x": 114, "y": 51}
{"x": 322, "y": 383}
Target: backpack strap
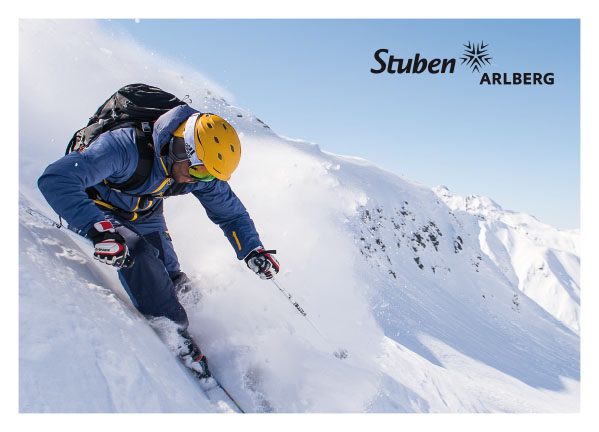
{"x": 94, "y": 195}
{"x": 145, "y": 149}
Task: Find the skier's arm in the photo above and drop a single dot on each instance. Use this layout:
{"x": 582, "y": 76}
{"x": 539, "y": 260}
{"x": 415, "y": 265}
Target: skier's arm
{"x": 225, "y": 209}
{"x": 112, "y": 156}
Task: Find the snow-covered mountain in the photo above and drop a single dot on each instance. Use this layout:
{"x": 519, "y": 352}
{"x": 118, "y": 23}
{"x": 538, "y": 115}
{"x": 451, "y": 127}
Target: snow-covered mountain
{"x": 542, "y": 261}
{"x": 445, "y": 304}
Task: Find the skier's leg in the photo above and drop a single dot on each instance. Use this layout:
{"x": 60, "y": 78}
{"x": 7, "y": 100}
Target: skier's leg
{"x": 161, "y": 240}
{"x": 155, "y": 231}
{"x": 147, "y": 282}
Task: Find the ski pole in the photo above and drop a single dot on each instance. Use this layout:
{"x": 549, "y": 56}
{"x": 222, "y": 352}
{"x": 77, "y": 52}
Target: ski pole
{"x": 129, "y": 261}
{"x": 340, "y": 353}
{"x": 293, "y": 302}
{"x": 51, "y": 222}
{"x": 41, "y": 216}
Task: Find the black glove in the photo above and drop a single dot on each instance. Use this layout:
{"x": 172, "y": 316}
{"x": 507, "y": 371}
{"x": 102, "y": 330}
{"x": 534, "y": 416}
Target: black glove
{"x": 263, "y": 263}
{"x": 110, "y": 247}
{"x": 182, "y": 282}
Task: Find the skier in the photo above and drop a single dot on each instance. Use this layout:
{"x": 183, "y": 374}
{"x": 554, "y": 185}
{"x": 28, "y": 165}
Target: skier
{"x": 193, "y": 153}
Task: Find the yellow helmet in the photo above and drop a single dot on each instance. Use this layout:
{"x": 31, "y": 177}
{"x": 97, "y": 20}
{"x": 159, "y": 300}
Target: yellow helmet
{"x": 211, "y": 141}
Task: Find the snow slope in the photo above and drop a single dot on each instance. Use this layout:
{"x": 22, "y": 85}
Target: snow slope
{"x": 444, "y": 304}
{"x": 82, "y": 348}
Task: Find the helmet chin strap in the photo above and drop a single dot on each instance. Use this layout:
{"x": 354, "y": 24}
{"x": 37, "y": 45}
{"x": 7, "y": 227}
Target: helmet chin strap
{"x": 169, "y": 165}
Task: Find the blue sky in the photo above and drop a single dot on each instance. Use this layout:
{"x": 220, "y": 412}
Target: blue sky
{"x": 311, "y": 80}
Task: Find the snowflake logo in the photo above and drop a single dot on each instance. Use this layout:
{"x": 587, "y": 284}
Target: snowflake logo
{"x": 475, "y": 56}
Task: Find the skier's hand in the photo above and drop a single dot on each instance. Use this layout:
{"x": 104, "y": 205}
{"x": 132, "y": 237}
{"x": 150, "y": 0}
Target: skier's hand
{"x": 263, "y": 263}
{"x": 110, "y": 247}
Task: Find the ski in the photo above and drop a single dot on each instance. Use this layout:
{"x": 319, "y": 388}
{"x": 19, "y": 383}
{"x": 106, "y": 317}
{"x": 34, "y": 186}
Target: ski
{"x": 219, "y": 386}
{"x": 210, "y": 390}
{"x": 190, "y": 355}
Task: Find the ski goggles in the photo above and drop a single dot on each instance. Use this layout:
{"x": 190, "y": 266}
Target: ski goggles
{"x": 177, "y": 153}
{"x": 200, "y": 173}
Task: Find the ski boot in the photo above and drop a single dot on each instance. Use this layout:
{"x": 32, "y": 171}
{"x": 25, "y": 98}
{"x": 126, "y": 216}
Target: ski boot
{"x": 192, "y": 357}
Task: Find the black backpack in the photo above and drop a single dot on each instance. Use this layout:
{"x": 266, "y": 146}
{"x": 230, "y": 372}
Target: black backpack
{"x": 137, "y": 106}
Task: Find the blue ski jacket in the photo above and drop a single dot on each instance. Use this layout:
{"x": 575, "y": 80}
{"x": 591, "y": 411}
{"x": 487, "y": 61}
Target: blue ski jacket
{"x": 113, "y": 156}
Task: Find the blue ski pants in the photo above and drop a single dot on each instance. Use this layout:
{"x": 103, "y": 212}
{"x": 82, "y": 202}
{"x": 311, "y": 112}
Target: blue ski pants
{"x": 149, "y": 282}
